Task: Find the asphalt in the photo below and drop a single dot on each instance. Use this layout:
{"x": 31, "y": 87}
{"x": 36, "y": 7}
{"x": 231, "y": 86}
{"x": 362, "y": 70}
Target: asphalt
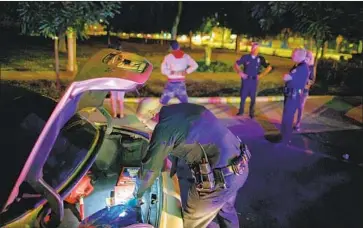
{"x": 307, "y": 184}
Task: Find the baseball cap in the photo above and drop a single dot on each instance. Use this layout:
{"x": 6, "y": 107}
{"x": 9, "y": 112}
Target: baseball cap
{"x": 174, "y": 45}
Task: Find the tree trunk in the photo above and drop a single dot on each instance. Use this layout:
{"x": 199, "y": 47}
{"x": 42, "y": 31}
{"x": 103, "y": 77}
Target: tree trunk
{"x": 311, "y": 43}
{"x": 72, "y": 66}
{"x": 223, "y": 31}
{"x": 238, "y": 39}
{"x": 207, "y": 54}
{"x": 174, "y": 30}
{"x": 316, "y": 60}
{"x": 108, "y": 36}
{"x": 337, "y": 48}
{"x": 323, "y": 47}
{"x": 360, "y": 46}
{"x": 162, "y": 38}
{"x": 62, "y": 43}
{"x": 56, "y": 56}
{"x": 75, "y": 53}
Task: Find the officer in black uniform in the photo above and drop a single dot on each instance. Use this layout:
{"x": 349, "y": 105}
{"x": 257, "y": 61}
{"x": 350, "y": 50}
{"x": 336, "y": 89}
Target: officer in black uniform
{"x": 216, "y": 157}
{"x": 295, "y": 82}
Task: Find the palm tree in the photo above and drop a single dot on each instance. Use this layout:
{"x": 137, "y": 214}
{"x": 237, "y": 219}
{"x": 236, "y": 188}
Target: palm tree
{"x": 174, "y": 30}
{"x": 206, "y": 28}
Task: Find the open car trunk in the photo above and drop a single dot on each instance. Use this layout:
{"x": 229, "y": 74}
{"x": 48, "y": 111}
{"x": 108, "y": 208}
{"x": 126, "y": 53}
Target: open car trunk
{"x": 114, "y": 176}
{"x": 112, "y": 149}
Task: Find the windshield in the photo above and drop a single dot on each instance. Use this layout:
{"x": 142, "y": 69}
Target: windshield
{"x": 24, "y": 114}
{"x": 69, "y": 150}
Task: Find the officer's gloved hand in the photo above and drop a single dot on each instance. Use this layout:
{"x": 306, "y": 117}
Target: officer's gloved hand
{"x": 243, "y": 75}
{"x": 134, "y": 202}
{"x": 287, "y": 77}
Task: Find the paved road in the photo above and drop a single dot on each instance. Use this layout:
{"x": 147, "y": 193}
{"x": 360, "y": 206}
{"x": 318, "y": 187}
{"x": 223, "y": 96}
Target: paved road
{"x": 307, "y": 184}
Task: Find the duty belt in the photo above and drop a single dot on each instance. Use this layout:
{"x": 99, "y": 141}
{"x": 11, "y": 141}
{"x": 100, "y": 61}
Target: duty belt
{"x": 238, "y": 164}
{"x": 252, "y": 77}
{"x": 215, "y": 178}
{"x": 292, "y": 92}
{"x": 237, "y": 168}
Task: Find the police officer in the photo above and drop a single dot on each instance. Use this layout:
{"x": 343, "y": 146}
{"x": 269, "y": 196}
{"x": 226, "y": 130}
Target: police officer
{"x": 295, "y": 82}
{"x": 192, "y": 133}
{"x": 250, "y": 75}
{"x": 310, "y": 61}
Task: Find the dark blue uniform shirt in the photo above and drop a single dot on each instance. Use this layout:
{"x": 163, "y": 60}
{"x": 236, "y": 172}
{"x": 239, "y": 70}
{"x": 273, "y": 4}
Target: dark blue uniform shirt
{"x": 181, "y": 131}
{"x": 252, "y": 66}
{"x": 300, "y": 75}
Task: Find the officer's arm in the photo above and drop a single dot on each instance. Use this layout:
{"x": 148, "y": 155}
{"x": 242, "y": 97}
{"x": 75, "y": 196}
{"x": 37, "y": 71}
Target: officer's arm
{"x": 238, "y": 63}
{"x": 160, "y": 146}
{"x": 299, "y": 70}
{"x": 165, "y": 70}
{"x": 192, "y": 65}
{"x": 267, "y": 67}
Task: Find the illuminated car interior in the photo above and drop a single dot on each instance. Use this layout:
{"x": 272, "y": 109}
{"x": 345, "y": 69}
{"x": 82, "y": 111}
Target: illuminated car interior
{"x": 122, "y": 148}
{"x": 114, "y": 174}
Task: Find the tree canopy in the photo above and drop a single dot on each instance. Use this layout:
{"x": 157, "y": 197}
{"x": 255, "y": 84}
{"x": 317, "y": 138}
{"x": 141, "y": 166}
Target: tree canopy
{"x": 54, "y": 18}
{"x": 319, "y": 20}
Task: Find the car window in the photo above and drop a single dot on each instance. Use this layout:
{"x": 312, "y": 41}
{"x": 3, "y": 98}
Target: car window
{"x": 69, "y": 150}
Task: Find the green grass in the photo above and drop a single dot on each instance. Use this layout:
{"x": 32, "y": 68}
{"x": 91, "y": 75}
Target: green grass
{"x": 36, "y": 54}
{"x": 154, "y": 88}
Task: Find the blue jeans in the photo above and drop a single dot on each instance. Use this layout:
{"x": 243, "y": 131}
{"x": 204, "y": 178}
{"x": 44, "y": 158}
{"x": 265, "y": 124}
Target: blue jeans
{"x": 174, "y": 89}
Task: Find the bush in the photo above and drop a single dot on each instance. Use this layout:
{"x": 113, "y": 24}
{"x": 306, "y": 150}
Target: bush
{"x": 44, "y": 87}
{"x": 332, "y": 73}
{"x": 216, "y": 66}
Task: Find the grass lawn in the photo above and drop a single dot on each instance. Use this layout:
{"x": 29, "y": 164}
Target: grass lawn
{"x": 36, "y": 54}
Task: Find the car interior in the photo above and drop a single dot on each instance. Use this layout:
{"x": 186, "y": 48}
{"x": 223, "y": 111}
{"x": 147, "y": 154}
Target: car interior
{"x": 72, "y": 146}
{"x": 118, "y": 154}
{"x": 114, "y": 177}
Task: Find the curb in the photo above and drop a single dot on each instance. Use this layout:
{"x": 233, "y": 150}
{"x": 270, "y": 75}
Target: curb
{"x": 214, "y": 100}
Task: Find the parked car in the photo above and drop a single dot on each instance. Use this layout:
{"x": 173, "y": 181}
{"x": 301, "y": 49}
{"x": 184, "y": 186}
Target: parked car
{"x": 48, "y": 147}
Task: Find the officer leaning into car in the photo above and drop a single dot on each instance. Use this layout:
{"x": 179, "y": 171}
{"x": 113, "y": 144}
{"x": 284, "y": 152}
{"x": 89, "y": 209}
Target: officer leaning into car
{"x": 216, "y": 157}
{"x": 295, "y": 82}
{"x": 250, "y": 75}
